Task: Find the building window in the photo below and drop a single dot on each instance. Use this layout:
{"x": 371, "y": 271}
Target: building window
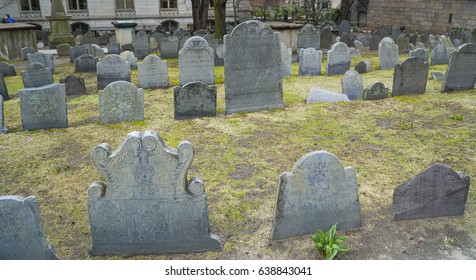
{"x": 168, "y": 4}
{"x": 30, "y": 5}
{"x": 75, "y": 5}
{"x": 124, "y": 5}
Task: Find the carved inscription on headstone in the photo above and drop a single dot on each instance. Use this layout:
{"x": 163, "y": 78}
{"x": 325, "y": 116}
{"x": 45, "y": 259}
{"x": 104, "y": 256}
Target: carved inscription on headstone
{"x": 410, "y": 77}
{"x": 308, "y": 37}
{"x": 112, "y": 68}
{"x": 196, "y": 62}
{"x": 195, "y": 100}
{"x": 121, "y": 101}
{"x": 153, "y": 72}
{"x": 310, "y": 62}
{"x": 338, "y": 59}
{"x": 387, "y": 53}
{"x": 36, "y": 75}
{"x": 461, "y": 71}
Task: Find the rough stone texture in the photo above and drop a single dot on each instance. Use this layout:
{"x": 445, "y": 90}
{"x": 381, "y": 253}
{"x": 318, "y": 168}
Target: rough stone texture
{"x": 131, "y": 58}
{"x": 308, "y": 37}
{"x": 253, "y": 80}
{"x": 91, "y": 49}
{"x": 461, "y": 71}
{"x": 153, "y": 72}
{"x": 286, "y": 60}
{"x": 420, "y": 54}
{"x": 196, "y": 62}
{"x": 141, "y": 45}
{"x": 3, "y": 89}
{"x": 410, "y": 77}
{"x": 446, "y": 42}
{"x": 112, "y": 68}
{"x": 76, "y": 52}
{"x": 21, "y": 231}
{"x": 403, "y": 44}
{"x": 63, "y": 50}
{"x": 195, "y": 100}
{"x": 318, "y": 193}
{"x": 127, "y": 47}
{"x": 169, "y": 47}
{"x": 387, "y": 53}
{"x": 74, "y": 85}
{"x": 438, "y": 76}
{"x": 439, "y": 55}
{"x": 338, "y": 59}
{"x": 43, "y": 107}
{"x": 85, "y": 63}
{"x": 7, "y": 69}
{"x": 42, "y": 58}
{"x": 352, "y": 85}
{"x": 113, "y": 46}
{"x": 435, "y": 192}
{"x": 322, "y": 95}
{"x": 147, "y": 204}
{"x": 36, "y": 75}
{"x": 375, "y": 91}
{"x": 25, "y": 51}
{"x": 364, "y": 66}
{"x": 310, "y": 62}
{"x": 326, "y": 38}
{"x": 121, "y": 101}
{"x": 344, "y": 28}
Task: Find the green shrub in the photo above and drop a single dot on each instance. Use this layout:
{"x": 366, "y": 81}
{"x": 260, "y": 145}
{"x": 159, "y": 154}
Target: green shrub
{"x": 329, "y": 243}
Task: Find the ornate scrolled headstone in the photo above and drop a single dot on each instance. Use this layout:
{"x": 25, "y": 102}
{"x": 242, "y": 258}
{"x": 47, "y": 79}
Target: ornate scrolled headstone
{"x": 196, "y": 62}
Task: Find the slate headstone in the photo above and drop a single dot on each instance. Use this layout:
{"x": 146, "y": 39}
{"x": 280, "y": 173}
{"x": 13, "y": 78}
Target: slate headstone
{"x": 42, "y": 58}
{"x": 344, "y": 28}
{"x": 36, "y": 75}
{"x": 112, "y": 68}
{"x": 310, "y": 62}
{"x": 63, "y": 50}
{"x": 322, "y": 95}
{"x": 3, "y": 128}
{"x": 25, "y": 51}
{"x": 7, "y": 69}
{"x": 220, "y": 55}
{"x": 130, "y": 57}
{"x": 127, "y": 47}
{"x": 338, "y": 59}
{"x": 196, "y": 62}
{"x": 141, "y": 45}
{"x": 169, "y": 47}
{"x": 153, "y": 72}
{"x": 419, "y": 53}
{"x": 195, "y": 100}
{"x": 74, "y": 85}
{"x": 352, "y": 85}
{"x": 374, "y": 42}
{"x": 346, "y": 40}
{"x": 375, "y": 91}
{"x": 364, "y": 66}
{"x": 154, "y": 46}
{"x": 183, "y": 39}
{"x": 121, "y": 101}
{"x": 286, "y": 60}
{"x": 3, "y": 88}
{"x": 113, "y": 46}
{"x": 76, "y": 52}
{"x": 387, "y": 53}
{"x": 90, "y": 49}
{"x": 410, "y": 77}
{"x": 326, "y": 38}
{"x": 473, "y": 36}
{"x": 201, "y": 33}
{"x": 461, "y": 71}
{"x": 85, "y": 63}
{"x": 439, "y": 55}
{"x": 308, "y": 37}
{"x": 403, "y": 44}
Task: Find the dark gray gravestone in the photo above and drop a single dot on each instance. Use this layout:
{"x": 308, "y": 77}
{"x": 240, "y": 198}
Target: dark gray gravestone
{"x": 153, "y": 72}
{"x": 410, "y": 77}
{"x": 344, "y": 28}
{"x": 76, "y": 52}
{"x": 253, "y": 79}
{"x": 74, "y": 85}
{"x": 43, "y": 58}
{"x": 183, "y": 39}
{"x": 364, "y": 66}
{"x": 346, "y": 40}
{"x": 439, "y": 55}
{"x": 461, "y": 71}
{"x": 169, "y": 47}
{"x": 113, "y": 46}
{"x": 308, "y": 37}
{"x": 127, "y": 47}
{"x": 318, "y": 193}
{"x": 387, "y": 53}
{"x": 352, "y": 85}
{"x": 7, "y": 69}
{"x": 403, "y": 44}
{"x": 148, "y": 205}
{"x": 196, "y": 62}
{"x": 21, "y": 231}
{"x": 338, "y": 59}
{"x": 3, "y": 88}
{"x": 43, "y": 107}
{"x": 375, "y": 91}
{"x": 141, "y": 45}
{"x": 326, "y": 38}
{"x": 322, "y": 95}
{"x": 3, "y": 128}
{"x": 121, "y": 101}
{"x": 220, "y": 55}
{"x": 112, "y": 68}
{"x": 195, "y": 100}
{"x": 36, "y": 75}
{"x": 103, "y": 39}
{"x": 412, "y": 39}
{"x": 435, "y": 192}
{"x": 25, "y": 51}
{"x": 310, "y": 62}
{"x": 286, "y": 60}
{"x": 85, "y": 63}
{"x": 473, "y": 36}
{"x": 419, "y": 53}
{"x": 90, "y": 49}
{"x": 130, "y": 57}
{"x": 63, "y": 50}
{"x": 374, "y": 42}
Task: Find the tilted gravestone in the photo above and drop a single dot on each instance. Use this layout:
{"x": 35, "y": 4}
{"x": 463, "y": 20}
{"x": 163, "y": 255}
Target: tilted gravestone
{"x": 113, "y": 46}
{"x": 112, "y": 68}
{"x": 461, "y": 71}
{"x": 153, "y": 72}
{"x": 322, "y": 95}
{"x": 318, "y": 193}
{"x": 308, "y": 37}
{"x": 375, "y": 91}
{"x": 196, "y": 62}
{"x": 439, "y": 55}
{"x": 410, "y": 77}
{"x": 195, "y": 100}
{"x": 42, "y": 58}
{"x": 338, "y": 59}
{"x": 43, "y": 107}
{"x": 310, "y": 62}
{"x": 344, "y": 28}
{"x": 352, "y": 85}
{"x": 74, "y": 85}
{"x": 435, "y": 192}
{"x": 121, "y": 101}
{"x": 3, "y": 128}
{"x": 364, "y": 66}
{"x": 148, "y": 205}
{"x": 141, "y": 45}
{"x": 253, "y": 78}
{"x": 286, "y": 60}
{"x": 7, "y": 69}
{"x": 25, "y": 51}
{"x": 326, "y": 38}
{"x": 76, "y": 52}
{"x": 21, "y": 231}
{"x": 36, "y": 75}
{"x": 387, "y": 53}
{"x": 63, "y": 50}
{"x": 3, "y": 88}
{"x": 130, "y": 57}
{"x": 85, "y": 63}
{"x": 169, "y": 47}
{"x": 420, "y": 54}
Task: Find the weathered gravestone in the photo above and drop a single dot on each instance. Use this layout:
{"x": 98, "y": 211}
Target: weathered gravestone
{"x": 286, "y": 60}
{"x": 439, "y": 55}
{"x": 318, "y": 193}
{"x": 113, "y": 46}
{"x": 91, "y": 49}
{"x": 127, "y": 47}
{"x": 121, "y": 101}
{"x": 201, "y": 33}
{"x": 354, "y": 53}
{"x": 183, "y": 39}
{"x": 153, "y": 72}
{"x": 220, "y": 55}
{"x": 112, "y": 68}
{"x": 63, "y": 49}
{"x": 36, "y": 75}
{"x": 253, "y": 80}
{"x": 195, "y": 100}
{"x": 461, "y": 71}
{"x": 346, "y": 40}
{"x": 25, "y": 51}
{"x": 85, "y": 63}
{"x": 338, "y": 59}
{"x": 147, "y": 204}
{"x": 364, "y": 66}
{"x": 352, "y": 85}
{"x": 196, "y": 62}
{"x": 76, "y": 52}
{"x": 141, "y": 45}
{"x": 326, "y": 38}
{"x": 3, "y": 88}
{"x": 322, "y": 95}
{"x": 375, "y": 91}
{"x": 410, "y": 77}
{"x": 420, "y": 54}
{"x": 43, "y": 107}
{"x": 7, "y": 69}
{"x": 3, "y": 128}
{"x": 344, "y": 28}
{"x": 42, "y": 58}
{"x": 130, "y": 57}
{"x": 374, "y": 42}
{"x": 403, "y": 44}
{"x": 310, "y": 62}
{"x": 74, "y": 85}
{"x": 387, "y": 53}
{"x": 99, "y": 51}
{"x": 169, "y": 47}
{"x": 358, "y": 45}
{"x": 211, "y": 40}
{"x": 438, "y": 76}
{"x": 308, "y": 37}
{"x": 435, "y": 192}
{"x": 154, "y": 46}
{"x": 21, "y": 231}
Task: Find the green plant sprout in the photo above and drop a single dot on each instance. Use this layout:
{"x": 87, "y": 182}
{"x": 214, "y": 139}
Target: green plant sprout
{"x": 329, "y": 243}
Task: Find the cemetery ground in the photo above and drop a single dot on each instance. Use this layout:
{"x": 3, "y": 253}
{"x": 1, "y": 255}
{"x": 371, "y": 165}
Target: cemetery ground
{"x": 241, "y": 156}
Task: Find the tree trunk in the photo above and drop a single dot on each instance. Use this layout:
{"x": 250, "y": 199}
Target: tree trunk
{"x": 220, "y": 18}
{"x": 200, "y": 14}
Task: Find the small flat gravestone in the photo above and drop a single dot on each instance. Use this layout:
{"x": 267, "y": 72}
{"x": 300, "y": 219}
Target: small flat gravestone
{"x": 286, "y": 59}
{"x": 338, "y": 59}
{"x": 169, "y": 47}
{"x": 410, "y": 77}
{"x": 322, "y": 95}
{"x": 439, "y": 55}
{"x": 387, "y": 53}
{"x": 3, "y": 89}
{"x": 3, "y": 128}
{"x": 25, "y": 51}
{"x": 36, "y": 75}
{"x": 364, "y": 66}
{"x": 74, "y": 85}
{"x": 131, "y": 58}
{"x": 196, "y": 62}
{"x": 375, "y": 91}
{"x": 317, "y": 193}
{"x": 85, "y": 63}
{"x": 148, "y": 205}
{"x": 112, "y": 68}
{"x": 141, "y": 45}
{"x": 153, "y": 72}
{"x": 21, "y": 231}
{"x": 7, "y": 69}
{"x": 352, "y": 85}
{"x": 121, "y": 101}
{"x": 195, "y": 100}
{"x": 43, "y": 107}
{"x": 419, "y": 53}
{"x": 308, "y": 37}
{"x": 437, "y": 191}
{"x": 310, "y": 62}
{"x": 63, "y": 50}
{"x": 42, "y": 58}
{"x": 461, "y": 71}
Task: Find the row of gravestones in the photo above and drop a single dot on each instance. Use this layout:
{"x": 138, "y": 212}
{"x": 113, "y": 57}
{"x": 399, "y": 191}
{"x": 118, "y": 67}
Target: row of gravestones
{"x": 136, "y": 211}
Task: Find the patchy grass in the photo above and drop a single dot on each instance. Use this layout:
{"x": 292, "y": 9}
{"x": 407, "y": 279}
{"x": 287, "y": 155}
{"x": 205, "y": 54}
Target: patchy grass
{"x": 240, "y": 157}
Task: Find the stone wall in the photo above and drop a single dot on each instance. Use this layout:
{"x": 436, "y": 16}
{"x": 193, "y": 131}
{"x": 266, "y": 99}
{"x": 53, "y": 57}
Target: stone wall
{"x": 422, "y": 15}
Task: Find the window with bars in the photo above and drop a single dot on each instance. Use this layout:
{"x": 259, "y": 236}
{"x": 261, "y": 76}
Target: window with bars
{"x": 168, "y": 4}
{"x": 77, "y": 5}
{"x": 30, "y": 5}
{"x": 124, "y": 5}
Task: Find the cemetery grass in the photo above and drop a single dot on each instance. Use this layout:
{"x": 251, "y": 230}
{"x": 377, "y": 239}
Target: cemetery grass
{"x": 241, "y": 156}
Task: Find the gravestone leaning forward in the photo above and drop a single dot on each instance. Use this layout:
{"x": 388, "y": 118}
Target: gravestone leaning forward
{"x": 387, "y": 53}
{"x": 338, "y": 59}
{"x": 375, "y": 91}
{"x": 461, "y": 71}
{"x": 121, "y": 101}
{"x": 112, "y": 68}
{"x": 410, "y": 77}
{"x": 74, "y": 85}
{"x": 36, "y": 75}
{"x": 196, "y": 62}
{"x": 153, "y": 72}
{"x": 195, "y": 100}
{"x": 7, "y": 69}
{"x": 352, "y": 85}
{"x": 3, "y": 88}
